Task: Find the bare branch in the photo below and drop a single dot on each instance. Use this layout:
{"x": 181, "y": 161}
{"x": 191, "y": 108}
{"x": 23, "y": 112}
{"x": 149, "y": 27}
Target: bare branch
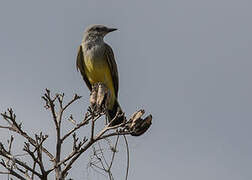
{"x": 135, "y": 126}
{"x": 10, "y": 118}
{"x": 99, "y": 159}
{"x": 76, "y": 97}
{"x": 8, "y": 156}
{"x": 11, "y": 171}
{"x": 34, "y": 166}
{"x": 114, "y": 134}
{"x": 50, "y": 104}
{"x": 103, "y": 154}
{"x": 127, "y": 147}
{"x": 92, "y": 127}
{"x": 40, "y": 139}
{"x": 10, "y": 144}
{"x": 83, "y": 123}
{"x": 114, "y": 151}
{"x": 77, "y": 155}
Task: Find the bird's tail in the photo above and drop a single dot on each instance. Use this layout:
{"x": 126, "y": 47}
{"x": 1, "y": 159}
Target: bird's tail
{"x": 112, "y": 113}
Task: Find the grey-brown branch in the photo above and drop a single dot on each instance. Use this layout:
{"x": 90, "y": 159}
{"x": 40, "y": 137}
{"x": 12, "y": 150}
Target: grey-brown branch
{"x": 32, "y": 165}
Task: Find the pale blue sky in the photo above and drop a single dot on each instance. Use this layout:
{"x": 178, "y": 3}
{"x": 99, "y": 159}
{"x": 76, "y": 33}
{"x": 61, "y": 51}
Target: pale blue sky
{"x": 186, "y": 62}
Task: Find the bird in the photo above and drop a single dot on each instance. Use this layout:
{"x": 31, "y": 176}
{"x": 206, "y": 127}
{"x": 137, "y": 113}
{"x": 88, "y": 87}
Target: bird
{"x": 96, "y": 63}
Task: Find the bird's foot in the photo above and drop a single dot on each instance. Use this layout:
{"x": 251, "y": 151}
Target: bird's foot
{"x": 99, "y": 97}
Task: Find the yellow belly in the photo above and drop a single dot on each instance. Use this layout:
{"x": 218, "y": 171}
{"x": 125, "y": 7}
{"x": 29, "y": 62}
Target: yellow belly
{"x": 98, "y": 71}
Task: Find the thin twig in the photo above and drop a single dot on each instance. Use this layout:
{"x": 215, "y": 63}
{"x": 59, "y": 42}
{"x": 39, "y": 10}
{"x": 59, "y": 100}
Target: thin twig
{"x": 12, "y": 172}
{"x": 76, "y": 97}
{"x": 127, "y": 146}
{"x": 40, "y": 141}
{"x": 11, "y": 120}
{"x": 34, "y": 166}
{"x": 2, "y": 172}
{"x": 114, "y": 151}
{"x": 99, "y": 159}
{"x": 92, "y": 128}
{"x": 10, "y": 144}
{"x": 5, "y": 154}
{"x": 50, "y": 101}
{"x": 75, "y": 128}
{"x": 114, "y": 134}
{"x": 91, "y": 165}
{"x": 102, "y": 154}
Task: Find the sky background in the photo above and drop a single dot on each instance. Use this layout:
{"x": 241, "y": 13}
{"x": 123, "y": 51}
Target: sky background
{"x": 188, "y": 63}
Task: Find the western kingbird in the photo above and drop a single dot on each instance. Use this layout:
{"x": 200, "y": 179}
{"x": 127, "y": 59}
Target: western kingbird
{"x": 96, "y": 62}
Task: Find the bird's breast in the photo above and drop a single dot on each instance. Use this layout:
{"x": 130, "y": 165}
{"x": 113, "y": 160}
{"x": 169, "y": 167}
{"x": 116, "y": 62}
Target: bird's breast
{"x": 94, "y": 58}
{"x": 96, "y": 66}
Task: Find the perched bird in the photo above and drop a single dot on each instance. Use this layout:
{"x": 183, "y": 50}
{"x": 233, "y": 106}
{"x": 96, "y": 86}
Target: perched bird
{"x": 96, "y": 63}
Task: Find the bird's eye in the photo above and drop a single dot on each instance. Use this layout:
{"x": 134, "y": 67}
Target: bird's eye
{"x": 97, "y": 29}
{"x": 104, "y": 29}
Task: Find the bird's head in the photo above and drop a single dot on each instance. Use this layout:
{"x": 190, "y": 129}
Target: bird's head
{"x": 97, "y": 31}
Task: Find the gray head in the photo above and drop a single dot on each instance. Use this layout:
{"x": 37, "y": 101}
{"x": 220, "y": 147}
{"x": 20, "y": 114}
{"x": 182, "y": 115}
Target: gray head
{"x": 97, "y": 32}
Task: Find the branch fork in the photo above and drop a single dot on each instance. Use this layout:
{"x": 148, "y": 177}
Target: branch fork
{"x": 34, "y": 146}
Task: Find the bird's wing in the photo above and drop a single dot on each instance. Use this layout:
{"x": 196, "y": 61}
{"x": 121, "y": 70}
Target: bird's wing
{"x": 80, "y": 66}
{"x": 112, "y": 66}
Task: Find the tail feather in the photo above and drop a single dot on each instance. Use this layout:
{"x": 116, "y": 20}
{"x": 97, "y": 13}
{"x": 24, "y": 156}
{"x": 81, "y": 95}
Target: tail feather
{"x": 112, "y": 113}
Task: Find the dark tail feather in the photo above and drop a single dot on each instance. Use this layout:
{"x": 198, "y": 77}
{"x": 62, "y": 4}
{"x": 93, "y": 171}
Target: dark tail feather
{"x": 112, "y": 114}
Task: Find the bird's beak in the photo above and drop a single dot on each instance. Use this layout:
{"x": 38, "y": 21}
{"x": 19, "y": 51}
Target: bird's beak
{"x": 111, "y": 30}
